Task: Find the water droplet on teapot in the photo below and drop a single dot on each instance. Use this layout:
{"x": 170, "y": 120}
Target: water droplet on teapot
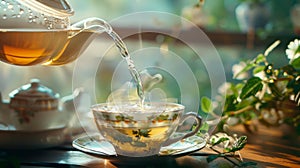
{"x": 21, "y": 11}
{"x": 4, "y": 16}
{"x": 10, "y": 6}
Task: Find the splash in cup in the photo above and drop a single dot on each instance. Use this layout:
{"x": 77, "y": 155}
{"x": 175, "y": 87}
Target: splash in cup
{"x": 138, "y": 132}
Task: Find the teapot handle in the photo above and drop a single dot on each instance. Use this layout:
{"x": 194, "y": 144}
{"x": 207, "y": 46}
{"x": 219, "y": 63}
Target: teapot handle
{"x": 93, "y": 24}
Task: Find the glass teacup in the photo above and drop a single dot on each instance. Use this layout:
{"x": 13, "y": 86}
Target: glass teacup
{"x": 137, "y": 131}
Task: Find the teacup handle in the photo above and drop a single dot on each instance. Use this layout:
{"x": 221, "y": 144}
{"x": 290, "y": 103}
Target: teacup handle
{"x": 188, "y": 115}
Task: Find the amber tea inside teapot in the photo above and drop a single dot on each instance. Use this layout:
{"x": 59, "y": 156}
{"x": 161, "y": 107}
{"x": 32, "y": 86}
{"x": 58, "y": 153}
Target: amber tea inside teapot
{"x": 39, "y": 32}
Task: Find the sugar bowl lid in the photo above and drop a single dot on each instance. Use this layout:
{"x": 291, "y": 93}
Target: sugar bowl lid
{"x": 33, "y": 90}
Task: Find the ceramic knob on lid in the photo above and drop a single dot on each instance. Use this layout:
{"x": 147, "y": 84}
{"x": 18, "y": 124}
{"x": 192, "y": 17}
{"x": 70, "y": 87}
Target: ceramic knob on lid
{"x": 33, "y": 97}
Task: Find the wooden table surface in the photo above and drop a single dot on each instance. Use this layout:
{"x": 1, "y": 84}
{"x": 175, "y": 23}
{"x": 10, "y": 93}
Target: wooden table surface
{"x": 269, "y": 147}
{"x": 273, "y": 147}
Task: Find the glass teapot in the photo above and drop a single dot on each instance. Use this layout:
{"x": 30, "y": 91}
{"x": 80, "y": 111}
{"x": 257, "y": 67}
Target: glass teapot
{"x": 39, "y": 32}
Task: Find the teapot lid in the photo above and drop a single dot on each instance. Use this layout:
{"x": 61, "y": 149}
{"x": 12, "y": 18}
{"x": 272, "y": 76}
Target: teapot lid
{"x": 57, "y": 8}
{"x": 34, "y": 90}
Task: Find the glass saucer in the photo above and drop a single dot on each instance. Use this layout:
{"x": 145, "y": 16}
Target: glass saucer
{"x": 96, "y": 146}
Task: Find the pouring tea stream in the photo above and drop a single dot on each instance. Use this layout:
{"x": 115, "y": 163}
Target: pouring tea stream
{"x": 37, "y": 32}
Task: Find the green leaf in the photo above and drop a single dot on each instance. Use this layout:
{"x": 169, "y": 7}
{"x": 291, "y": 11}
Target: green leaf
{"x": 237, "y": 88}
{"x": 251, "y": 101}
{"x": 275, "y": 90}
{"x": 252, "y": 86}
{"x": 230, "y": 103}
{"x": 206, "y": 105}
{"x": 258, "y": 69}
{"x": 223, "y": 139}
{"x": 296, "y": 63}
{"x": 260, "y": 58}
{"x": 239, "y": 144}
{"x": 204, "y": 127}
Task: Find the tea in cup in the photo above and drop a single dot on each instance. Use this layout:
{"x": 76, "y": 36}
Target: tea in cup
{"x": 137, "y": 131}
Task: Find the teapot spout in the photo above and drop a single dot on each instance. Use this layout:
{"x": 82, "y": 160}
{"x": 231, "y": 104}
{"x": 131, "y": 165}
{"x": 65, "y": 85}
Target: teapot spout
{"x": 70, "y": 102}
{"x": 3, "y": 103}
{"x": 77, "y": 102}
{"x": 93, "y": 24}
{"x": 4, "y": 111}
